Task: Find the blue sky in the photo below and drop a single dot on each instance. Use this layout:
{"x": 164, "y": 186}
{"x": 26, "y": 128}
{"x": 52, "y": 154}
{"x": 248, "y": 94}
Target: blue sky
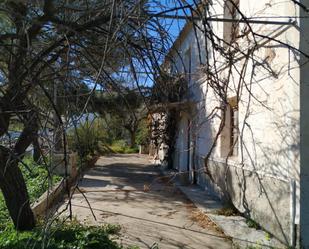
{"x": 172, "y": 26}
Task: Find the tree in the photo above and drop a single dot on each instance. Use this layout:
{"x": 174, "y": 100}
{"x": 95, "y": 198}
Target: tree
{"x": 126, "y": 107}
{"x": 61, "y": 42}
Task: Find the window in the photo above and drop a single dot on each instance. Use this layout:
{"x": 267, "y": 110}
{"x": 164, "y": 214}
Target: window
{"x": 230, "y": 132}
{"x": 231, "y": 29}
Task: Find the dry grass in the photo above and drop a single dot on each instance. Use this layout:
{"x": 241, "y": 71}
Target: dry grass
{"x": 228, "y": 210}
{"x": 201, "y": 219}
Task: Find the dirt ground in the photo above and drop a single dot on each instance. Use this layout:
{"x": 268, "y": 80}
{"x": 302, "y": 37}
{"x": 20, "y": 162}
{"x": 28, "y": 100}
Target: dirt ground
{"x": 127, "y": 190}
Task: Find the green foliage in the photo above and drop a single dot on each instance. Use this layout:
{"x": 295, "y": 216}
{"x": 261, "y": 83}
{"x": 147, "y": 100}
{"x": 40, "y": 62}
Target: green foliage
{"x": 131, "y": 150}
{"x": 268, "y": 236}
{"x": 37, "y": 181}
{"x": 118, "y": 104}
{"x": 5, "y": 23}
{"x": 96, "y": 137}
{"x": 113, "y": 127}
{"x": 4, "y": 215}
{"x": 16, "y": 126}
{"x": 142, "y": 135}
{"x": 88, "y": 139}
{"x": 61, "y": 235}
{"x": 121, "y": 146}
{"x": 252, "y": 224}
{"x": 124, "y": 111}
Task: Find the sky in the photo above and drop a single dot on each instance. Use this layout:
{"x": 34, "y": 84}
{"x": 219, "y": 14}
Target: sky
{"x": 173, "y": 28}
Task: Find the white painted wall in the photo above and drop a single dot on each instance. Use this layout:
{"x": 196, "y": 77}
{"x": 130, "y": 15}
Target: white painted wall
{"x": 182, "y": 145}
{"x": 269, "y": 119}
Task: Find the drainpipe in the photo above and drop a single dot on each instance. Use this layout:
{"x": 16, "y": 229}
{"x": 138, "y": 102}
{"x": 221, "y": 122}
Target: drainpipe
{"x": 293, "y": 213}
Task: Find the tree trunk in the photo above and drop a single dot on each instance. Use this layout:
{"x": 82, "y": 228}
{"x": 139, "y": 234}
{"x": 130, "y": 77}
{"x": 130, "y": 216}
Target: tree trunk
{"x": 15, "y": 193}
{"x": 36, "y": 150}
{"x": 132, "y": 139}
{"x": 12, "y": 182}
{"x": 58, "y": 146}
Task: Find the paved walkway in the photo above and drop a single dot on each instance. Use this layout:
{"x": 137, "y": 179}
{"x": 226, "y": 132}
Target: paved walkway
{"x": 126, "y": 190}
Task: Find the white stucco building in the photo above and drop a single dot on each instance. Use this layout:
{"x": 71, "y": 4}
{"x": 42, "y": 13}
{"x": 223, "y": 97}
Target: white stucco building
{"x": 246, "y": 135}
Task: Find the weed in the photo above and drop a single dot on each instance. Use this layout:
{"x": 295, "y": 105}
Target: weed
{"x": 252, "y": 224}
{"x": 268, "y": 236}
{"x": 65, "y": 235}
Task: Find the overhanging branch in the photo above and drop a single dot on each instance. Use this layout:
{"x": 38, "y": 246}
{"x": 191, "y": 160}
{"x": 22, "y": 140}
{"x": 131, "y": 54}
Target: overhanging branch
{"x": 214, "y": 19}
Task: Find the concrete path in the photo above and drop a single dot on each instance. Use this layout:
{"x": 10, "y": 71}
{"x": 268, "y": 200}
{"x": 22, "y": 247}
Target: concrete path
{"x": 126, "y": 190}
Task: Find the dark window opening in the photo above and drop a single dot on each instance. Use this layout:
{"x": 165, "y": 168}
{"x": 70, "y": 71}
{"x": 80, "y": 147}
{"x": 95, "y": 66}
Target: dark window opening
{"x": 233, "y": 130}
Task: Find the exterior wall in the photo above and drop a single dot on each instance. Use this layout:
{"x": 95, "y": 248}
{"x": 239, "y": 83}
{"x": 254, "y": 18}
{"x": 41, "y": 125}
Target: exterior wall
{"x": 263, "y": 181}
{"x": 264, "y": 199}
{"x": 304, "y": 124}
{"x": 182, "y": 148}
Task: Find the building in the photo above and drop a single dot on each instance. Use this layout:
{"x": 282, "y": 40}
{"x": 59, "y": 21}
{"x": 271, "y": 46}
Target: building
{"x": 242, "y": 128}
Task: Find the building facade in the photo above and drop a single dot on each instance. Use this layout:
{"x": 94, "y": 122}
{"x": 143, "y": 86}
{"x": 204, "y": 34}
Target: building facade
{"x": 246, "y": 135}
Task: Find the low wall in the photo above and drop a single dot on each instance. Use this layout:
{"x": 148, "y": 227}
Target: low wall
{"x": 58, "y": 165}
{"x": 56, "y": 193}
{"x": 262, "y": 198}
{"x": 48, "y": 199}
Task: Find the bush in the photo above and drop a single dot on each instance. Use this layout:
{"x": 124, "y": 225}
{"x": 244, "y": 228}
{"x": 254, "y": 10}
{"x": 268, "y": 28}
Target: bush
{"x": 142, "y": 135}
{"x": 88, "y": 139}
{"x": 64, "y": 235}
{"x": 122, "y": 147}
{"x": 131, "y": 150}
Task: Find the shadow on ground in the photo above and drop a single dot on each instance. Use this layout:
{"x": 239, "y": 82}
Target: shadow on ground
{"x": 127, "y": 190}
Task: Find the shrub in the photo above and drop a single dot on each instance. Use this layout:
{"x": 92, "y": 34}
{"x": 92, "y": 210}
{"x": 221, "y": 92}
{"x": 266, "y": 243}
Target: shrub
{"x": 88, "y": 139}
{"x": 142, "y": 135}
{"x": 121, "y": 146}
{"x": 131, "y": 150}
